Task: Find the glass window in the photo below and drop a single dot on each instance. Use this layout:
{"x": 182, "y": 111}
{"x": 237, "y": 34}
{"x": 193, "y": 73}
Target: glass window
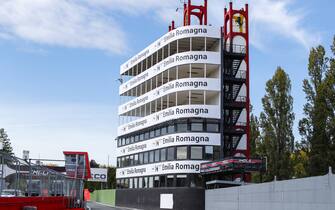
{"x": 140, "y": 182}
{"x": 156, "y": 155}
{"x": 156, "y": 181}
{"x": 151, "y": 181}
{"x": 171, "y": 129}
{"x": 182, "y": 127}
{"x": 162, "y": 181}
{"x": 151, "y": 156}
{"x": 163, "y": 131}
{"x": 126, "y": 183}
{"x": 118, "y": 142}
{"x": 145, "y": 182}
{"x": 146, "y": 135}
{"x": 182, "y": 153}
{"x": 212, "y": 127}
{"x": 130, "y": 183}
{"x": 137, "y": 138}
{"x": 140, "y": 158}
{"x": 127, "y": 161}
{"x": 118, "y": 162}
{"x": 152, "y": 134}
{"x": 123, "y": 141}
{"x": 216, "y": 155}
{"x": 157, "y": 132}
{"x": 209, "y": 152}
{"x": 127, "y": 140}
{"x": 197, "y": 126}
{"x": 181, "y": 180}
{"x": 145, "y": 157}
{"x": 131, "y": 160}
{"x": 135, "y": 183}
{"x": 170, "y": 153}
{"x": 123, "y": 164}
{"x": 132, "y": 139}
{"x": 141, "y": 137}
{"x": 163, "y": 154}
{"x": 169, "y": 180}
{"x": 136, "y": 159}
{"x": 195, "y": 180}
{"x": 196, "y": 152}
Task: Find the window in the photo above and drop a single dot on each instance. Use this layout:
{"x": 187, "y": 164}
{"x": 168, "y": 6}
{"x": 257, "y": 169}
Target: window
{"x": 118, "y": 162}
{"x": 169, "y": 180}
{"x": 123, "y": 162}
{"x": 145, "y": 182}
{"x": 141, "y": 137}
{"x": 136, "y": 159}
{"x": 181, "y": 180}
{"x": 209, "y": 152}
{"x": 137, "y": 138}
{"x": 131, "y": 160}
{"x": 140, "y": 158}
{"x": 157, "y": 132}
{"x": 140, "y": 182}
{"x": 127, "y": 161}
{"x": 170, "y": 153}
{"x": 132, "y": 139}
{"x": 162, "y": 181}
{"x": 212, "y": 127}
{"x": 182, "y": 153}
{"x": 123, "y": 141}
{"x": 151, "y": 156}
{"x": 163, "y": 154}
{"x": 126, "y": 183}
{"x": 171, "y": 129}
{"x": 156, "y": 181}
{"x": 127, "y": 140}
{"x": 182, "y": 127}
{"x": 130, "y": 183}
{"x": 163, "y": 131}
{"x": 195, "y": 180}
{"x": 197, "y": 126}
{"x": 151, "y": 181}
{"x": 156, "y": 155}
{"x": 216, "y": 155}
{"x": 196, "y": 152}
{"x": 118, "y": 142}
{"x": 146, "y": 135}
{"x": 145, "y": 157}
{"x": 135, "y": 183}
{"x": 152, "y": 134}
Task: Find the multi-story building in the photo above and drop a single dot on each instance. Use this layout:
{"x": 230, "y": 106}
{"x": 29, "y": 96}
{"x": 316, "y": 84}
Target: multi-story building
{"x": 184, "y": 101}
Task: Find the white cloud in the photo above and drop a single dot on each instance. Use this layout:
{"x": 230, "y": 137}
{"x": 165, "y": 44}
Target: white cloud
{"x": 61, "y": 23}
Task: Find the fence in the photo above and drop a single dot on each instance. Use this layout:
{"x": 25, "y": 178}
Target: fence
{"x": 104, "y": 196}
{"x": 308, "y": 194}
{"x": 20, "y": 178}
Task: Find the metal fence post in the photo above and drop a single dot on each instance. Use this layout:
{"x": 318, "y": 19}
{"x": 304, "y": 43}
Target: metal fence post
{"x": 30, "y": 178}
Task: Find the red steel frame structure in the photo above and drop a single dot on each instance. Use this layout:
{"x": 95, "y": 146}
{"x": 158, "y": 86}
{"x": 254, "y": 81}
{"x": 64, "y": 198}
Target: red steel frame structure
{"x": 233, "y": 55}
{"x": 197, "y": 10}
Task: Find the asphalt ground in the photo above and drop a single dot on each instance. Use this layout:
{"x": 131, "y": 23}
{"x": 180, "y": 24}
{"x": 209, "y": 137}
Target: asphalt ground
{"x": 97, "y": 206}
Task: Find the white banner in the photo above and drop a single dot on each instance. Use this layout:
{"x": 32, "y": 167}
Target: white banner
{"x": 175, "y": 167}
{"x": 172, "y": 61}
{"x": 98, "y": 175}
{"x": 203, "y": 111}
{"x": 170, "y": 140}
{"x": 171, "y": 87}
{"x": 179, "y": 33}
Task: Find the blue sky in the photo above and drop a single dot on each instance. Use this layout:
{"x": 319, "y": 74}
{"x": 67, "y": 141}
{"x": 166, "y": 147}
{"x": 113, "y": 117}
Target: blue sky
{"x": 59, "y": 61}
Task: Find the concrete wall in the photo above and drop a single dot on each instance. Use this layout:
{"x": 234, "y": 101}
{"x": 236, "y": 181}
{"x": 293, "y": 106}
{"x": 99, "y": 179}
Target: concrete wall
{"x": 104, "y": 196}
{"x": 313, "y": 193}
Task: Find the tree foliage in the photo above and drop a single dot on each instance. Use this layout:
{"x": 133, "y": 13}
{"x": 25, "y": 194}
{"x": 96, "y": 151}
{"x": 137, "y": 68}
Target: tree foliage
{"x": 317, "y": 127}
{"x": 276, "y": 122}
{"x": 7, "y": 147}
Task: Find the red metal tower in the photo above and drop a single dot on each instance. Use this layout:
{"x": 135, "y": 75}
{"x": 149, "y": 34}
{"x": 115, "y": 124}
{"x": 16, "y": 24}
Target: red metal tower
{"x": 235, "y": 100}
{"x": 197, "y": 10}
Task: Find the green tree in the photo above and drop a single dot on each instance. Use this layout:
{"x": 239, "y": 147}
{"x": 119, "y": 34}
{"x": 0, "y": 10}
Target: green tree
{"x": 7, "y": 147}
{"x": 276, "y": 123}
{"x": 317, "y": 127}
{"x": 254, "y": 135}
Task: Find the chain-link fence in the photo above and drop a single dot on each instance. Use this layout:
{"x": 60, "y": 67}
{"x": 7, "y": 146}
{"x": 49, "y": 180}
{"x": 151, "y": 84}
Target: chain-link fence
{"x": 21, "y": 178}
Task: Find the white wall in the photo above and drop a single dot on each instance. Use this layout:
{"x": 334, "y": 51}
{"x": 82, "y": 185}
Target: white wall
{"x": 314, "y": 193}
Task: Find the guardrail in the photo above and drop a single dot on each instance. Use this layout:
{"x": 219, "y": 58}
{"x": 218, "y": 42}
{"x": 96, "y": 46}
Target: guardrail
{"x": 20, "y": 178}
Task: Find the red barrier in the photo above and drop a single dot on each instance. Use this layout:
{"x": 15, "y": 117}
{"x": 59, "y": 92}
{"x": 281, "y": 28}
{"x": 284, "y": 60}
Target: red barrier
{"x": 42, "y": 203}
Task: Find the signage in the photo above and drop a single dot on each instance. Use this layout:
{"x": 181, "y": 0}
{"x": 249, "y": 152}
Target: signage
{"x": 179, "y": 33}
{"x": 171, "y": 87}
{"x": 98, "y": 175}
{"x": 170, "y": 140}
{"x": 177, "y": 167}
{"x": 184, "y": 111}
{"x": 169, "y": 62}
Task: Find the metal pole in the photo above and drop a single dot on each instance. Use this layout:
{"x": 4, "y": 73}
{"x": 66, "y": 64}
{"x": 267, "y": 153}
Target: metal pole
{"x": 30, "y": 178}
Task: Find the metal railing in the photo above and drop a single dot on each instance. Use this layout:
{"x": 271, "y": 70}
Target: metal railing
{"x": 235, "y": 48}
{"x": 21, "y": 178}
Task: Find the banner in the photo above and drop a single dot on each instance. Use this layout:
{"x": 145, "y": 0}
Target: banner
{"x": 99, "y": 175}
